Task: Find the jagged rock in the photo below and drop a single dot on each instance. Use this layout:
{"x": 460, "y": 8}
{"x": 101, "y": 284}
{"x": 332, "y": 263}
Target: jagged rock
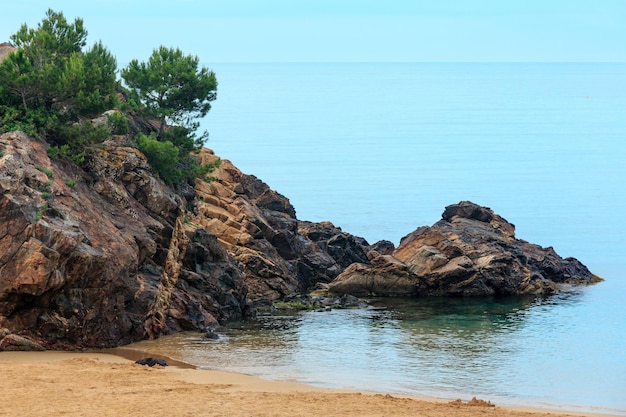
{"x": 94, "y": 257}
{"x": 210, "y": 287}
{"x": 385, "y": 276}
{"x": 471, "y": 251}
{"x": 383, "y": 247}
{"x": 279, "y": 255}
{"x": 13, "y": 342}
{"x": 108, "y": 254}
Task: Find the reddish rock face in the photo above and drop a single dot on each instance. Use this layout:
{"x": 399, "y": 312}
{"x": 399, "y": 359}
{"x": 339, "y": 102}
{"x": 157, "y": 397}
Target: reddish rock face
{"x": 95, "y": 257}
{"x": 107, "y": 254}
{"x": 471, "y": 251}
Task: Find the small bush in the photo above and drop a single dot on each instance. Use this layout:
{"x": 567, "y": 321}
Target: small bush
{"x": 70, "y": 184}
{"x": 162, "y": 156}
{"x": 57, "y": 152}
{"x": 41, "y": 211}
{"x": 76, "y": 138}
{"x": 46, "y": 171}
{"x": 118, "y": 123}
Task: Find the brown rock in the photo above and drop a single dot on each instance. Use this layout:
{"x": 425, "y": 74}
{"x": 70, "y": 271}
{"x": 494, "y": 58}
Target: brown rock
{"x": 279, "y": 255}
{"x": 471, "y": 251}
{"x": 13, "y": 342}
{"x": 386, "y": 276}
{"x": 100, "y": 263}
{"x": 5, "y": 49}
{"x": 120, "y": 257}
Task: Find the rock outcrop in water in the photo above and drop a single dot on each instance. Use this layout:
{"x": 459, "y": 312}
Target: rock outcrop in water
{"x": 471, "y": 251}
{"x": 107, "y": 254}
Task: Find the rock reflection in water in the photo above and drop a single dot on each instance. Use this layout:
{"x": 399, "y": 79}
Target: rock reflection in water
{"x": 441, "y": 347}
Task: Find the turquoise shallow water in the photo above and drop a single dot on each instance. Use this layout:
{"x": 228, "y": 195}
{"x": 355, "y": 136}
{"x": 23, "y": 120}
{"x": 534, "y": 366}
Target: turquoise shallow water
{"x": 380, "y": 149}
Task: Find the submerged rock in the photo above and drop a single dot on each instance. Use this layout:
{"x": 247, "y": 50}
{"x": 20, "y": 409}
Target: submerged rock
{"x": 471, "y": 251}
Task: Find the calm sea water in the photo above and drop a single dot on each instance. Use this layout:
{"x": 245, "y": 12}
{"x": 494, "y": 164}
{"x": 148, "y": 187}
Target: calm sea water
{"x": 380, "y": 149}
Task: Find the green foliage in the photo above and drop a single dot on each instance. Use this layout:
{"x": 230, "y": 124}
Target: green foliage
{"x": 41, "y": 211}
{"x": 42, "y": 58}
{"x": 52, "y": 85}
{"x": 70, "y": 183}
{"x": 202, "y": 171}
{"x": 169, "y": 162}
{"x": 50, "y": 82}
{"x": 19, "y": 80}
{"x": 33, "y": 122}
{"x": 99, "y": 77}
{"x": 58, "y": 152}
{"x": 172, "y": 87}
{"x": 76, "y": 139}
{"x": 118, "y": 123}
{"x": 162, "y": 156}
{"x": 182, "y": 138}
{"x": 46, "y": 171}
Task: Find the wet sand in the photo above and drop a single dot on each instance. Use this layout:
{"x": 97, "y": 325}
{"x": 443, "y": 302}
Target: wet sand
{"x": 97, "y": 384}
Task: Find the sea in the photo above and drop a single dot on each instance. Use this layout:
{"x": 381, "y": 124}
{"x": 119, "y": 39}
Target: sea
{"x": 380, "y": 149}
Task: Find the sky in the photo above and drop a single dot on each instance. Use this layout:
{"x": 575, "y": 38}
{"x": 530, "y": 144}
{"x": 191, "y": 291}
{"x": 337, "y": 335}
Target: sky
{"x": 346, "y": 30}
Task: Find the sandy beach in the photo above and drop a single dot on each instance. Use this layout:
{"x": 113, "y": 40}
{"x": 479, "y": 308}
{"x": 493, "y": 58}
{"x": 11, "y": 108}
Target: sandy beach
{"x": 94, "y": 384}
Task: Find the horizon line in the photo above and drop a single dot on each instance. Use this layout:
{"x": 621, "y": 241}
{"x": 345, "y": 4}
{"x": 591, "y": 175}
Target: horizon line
{"x": 415, "y": 62}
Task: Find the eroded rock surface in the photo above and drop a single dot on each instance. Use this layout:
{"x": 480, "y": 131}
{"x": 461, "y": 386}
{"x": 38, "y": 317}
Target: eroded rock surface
{"x": 279, "y": 255}
{"x": 471, "y": 251}
{"x": 97, "y": 257}
{"x": 108, "y": 254}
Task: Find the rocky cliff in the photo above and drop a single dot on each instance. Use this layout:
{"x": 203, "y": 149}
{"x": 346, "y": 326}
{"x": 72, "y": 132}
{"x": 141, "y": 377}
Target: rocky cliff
{"x": 108, "y": 254}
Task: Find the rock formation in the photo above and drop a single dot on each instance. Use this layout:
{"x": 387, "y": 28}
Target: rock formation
{"x": 108, "y": 254}
{"x": 279, "y": 255}
{"x": 103, "y": 256}
{"x": 471, "y": 251}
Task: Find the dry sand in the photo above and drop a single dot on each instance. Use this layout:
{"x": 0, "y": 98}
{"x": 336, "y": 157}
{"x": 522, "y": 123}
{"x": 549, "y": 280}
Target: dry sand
{"x": 87, "y": 384}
